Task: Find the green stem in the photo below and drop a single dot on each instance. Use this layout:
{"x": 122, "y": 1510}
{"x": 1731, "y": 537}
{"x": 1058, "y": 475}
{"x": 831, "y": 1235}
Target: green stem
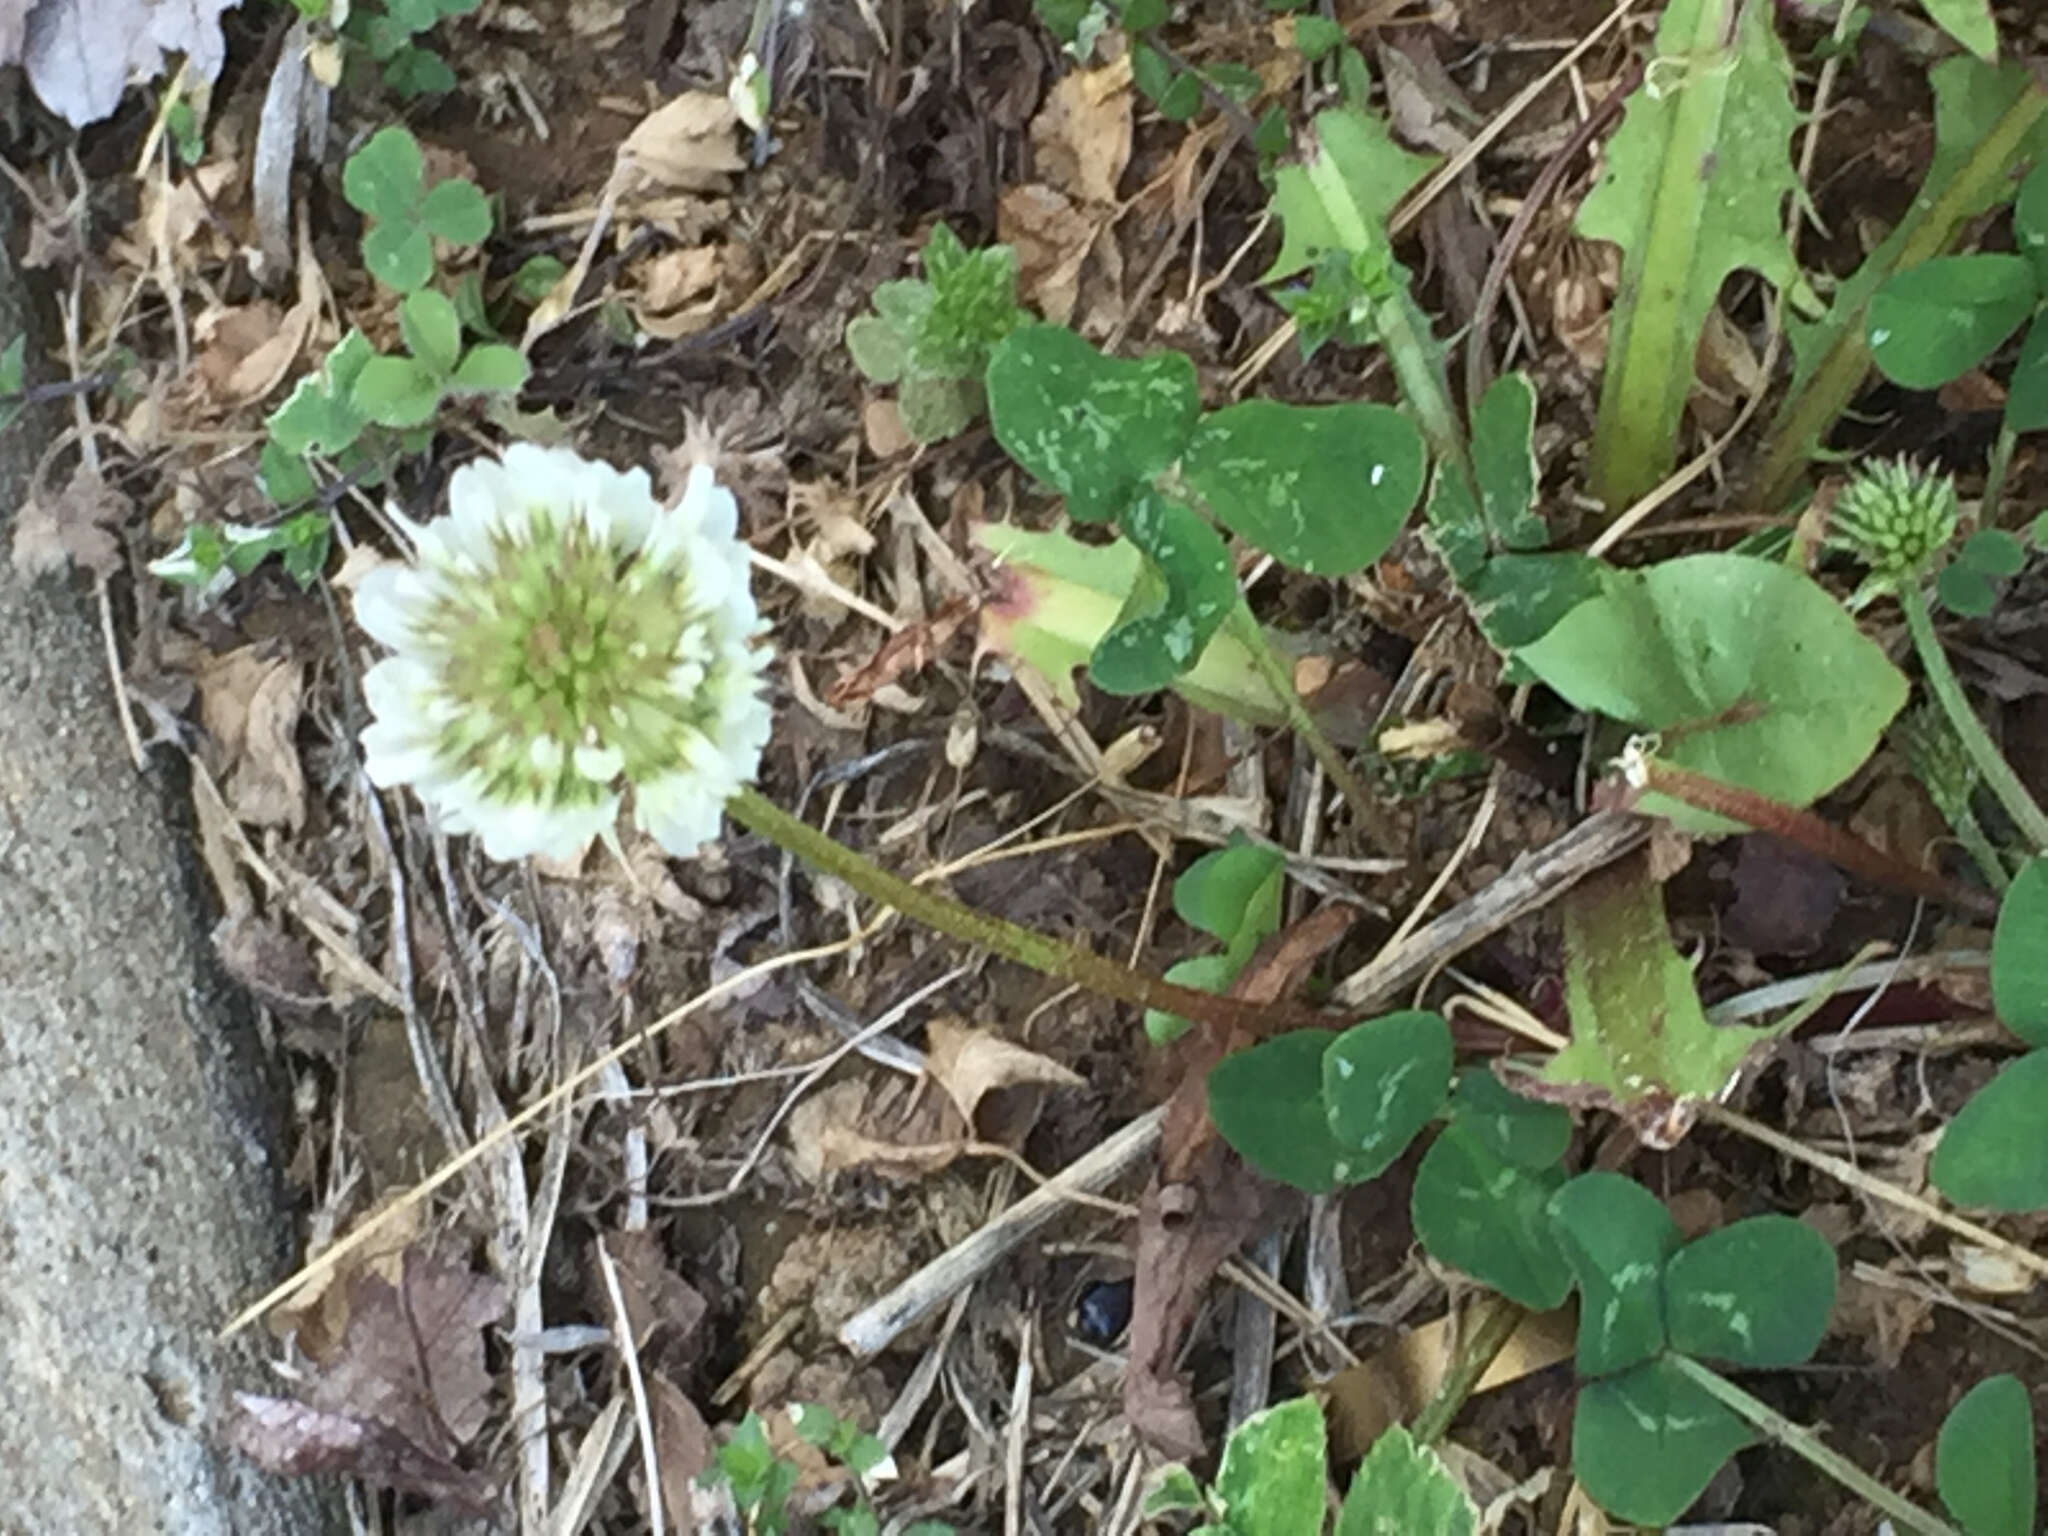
{"x": 1995, "y": 471}
{"x": 1812, "y": 410}
{"x": 1948, "y": 693}
{"x": 1048, "y": 956}
{"x": 1488, "y": 1325}
{"x": 1273, "y": 669}
{"x": 1799, "y": 1439}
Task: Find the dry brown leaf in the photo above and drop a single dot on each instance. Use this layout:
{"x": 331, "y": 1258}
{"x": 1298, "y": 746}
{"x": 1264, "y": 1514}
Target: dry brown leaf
{"x": 318, "y": 1314}
{"x": 683, "y": 1450}
{"x": 271, "y": 963}
{"x": 688, "y": 143}
{"x": 997, "y": 1086}
{"x": 828, "y": 1135}
{"x": 907, "y": 652}
{"x": 1081, "y": 137}
{"x": 882, "y": 423}
{"x": 1052, "y": 238}
{"x": 264, "y": 366}
{"x": 291, "y": 1439}
{"x": 77, "y": 526}
{"x": 267, "y": 787}
{"x": 1393, "y": 1385}
{"x": 656, "y": 1298}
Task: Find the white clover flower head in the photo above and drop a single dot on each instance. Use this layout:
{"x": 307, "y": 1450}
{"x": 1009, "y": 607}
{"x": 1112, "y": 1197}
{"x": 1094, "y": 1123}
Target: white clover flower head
{"x": 561, "y": 641}
{"x": 1895, "y": 517}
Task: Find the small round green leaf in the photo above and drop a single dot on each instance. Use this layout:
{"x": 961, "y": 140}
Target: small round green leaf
{"x": 1966, "y": 593}
{"x": 1094, "y": 428}
{"x": 1935, "y": 322}
{"x": 1516, "y": 1130}
{"x": 878, "y": 351}
{"x": 935, "y": 409}
{"x": 1208, "y": 973}
{"x": 399, "y": 255}
{"x": 1490, "y": 1219}
{"x": 1994, "y": 1153}
{"x": 431, "y": 329}
{"x": 382, "y": 179}
{"x": 1267, "y": 1102}
{"x": 457, "y": 211}
{"x": 1404, "y": 1488}
{"x": 2019, "y": 955}
{"x": 492, "y": 368}
{"x": 1984, "y": 1459}
{"x": 2026, "y": 390}
{"x": 1757, "y": 1293}
{"x": 1616, "y": 1236}
{"x": 1383, "y": 1081}
{"x": 1274, "y": 1471}
{"x": 1321, "y": 488}
{"x": 1646, "y": 1444}
{"x": 1315, "y": 36}
{"x": 398, "y": 391}
{"x": 1994, "y": 551}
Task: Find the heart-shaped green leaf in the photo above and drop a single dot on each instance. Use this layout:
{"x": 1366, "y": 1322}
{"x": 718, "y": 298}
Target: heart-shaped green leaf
{"x": 1616, "y": 1236}
{"x": 1995, "y": 1152}
{"x": 1231, "y": 891}
{"x": 1274, "y": 1471}
{"x": 493, "y": 368}
{"x": 1179, "y": 603}
{"x": 2026, "y": 390}
{"x": 1935, "y": 322}
{"x": 1524, "y": 1132}
{"x": 1754, "y": 673}
{"x": 1406, "y": 1488}
{"x": 1984, "y": 1459}
{"x": 1321, "y": 488}
{"x": 398, "y": 391}
{"x": 2019, "y": 955}
{"x": 1383, "y": 1081}
{"x": 1481, "y": 1214}
{"x": 1267, "y": 1102}
{"x": 1093, "y": 428}
{"x": 1646, "y": 1444}
{"x": 383, "y": 178}
{"x": 431, "y": 329}
{"x": 1757, "y": 1293}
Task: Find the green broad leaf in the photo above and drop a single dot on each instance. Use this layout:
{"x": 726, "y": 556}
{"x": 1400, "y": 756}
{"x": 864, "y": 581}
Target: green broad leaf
{"x": 1755, "y": 675}
{"x": 1639, "y": 1037}
{"x": 1178, "y": 605}
{"x": 1966, "y": 593}
{"x": 2019, "y": 955}
{"x": 2030, "y": 222}
{"x": 1094, "y": 428}
{"x": 1339, "y": 198}
{"x": 1616, "y": 1236}
{"x": 399, "y": 391}
{"x": 1404, "y": 1489}
{"x": 1174, "y": 1491}
{"x": 934, "y": 409}
{"x": 1518, "y": 599}
{"x": 536, "y": 278}
{"x": 1232, "y": 894}
{"x": 2026, "y": 390}
{"x": 1208, "y": 973}
{"x": 1181, "y": 99}
{"x": 1694, "y": 189}
{"x": 1317, "y": 36}
{"x": 1504, "y": 463}
{"x": 1383, "y": 1081}
{"x": 399, "y": 255}
{"x": 320, "y": 415}
{"x": 1274, "y": 1470}
{"x": 302, "y": 546}
{"x": 1994, "y": 1154}
{"x": 1239, "y": 82}
{"x": 1481, "y": 1214}
{"x": 1267, "y": 1102}
{"x": 285, "y": 477}
{"x": 1520, "y": 1131}
{"x": 1935, "y": 322}
{"x": 1324, "y": 489}
{"x": 457, "y": 211}
{"x": 1757, "y": 1293}
{"x": 1646, "y": 1444}
{"x": 1969, "y": 22}
{"x": 493, "y": 368}
{"x": 1176, "y": 94}
{"x": 431, "y": 329}
{"x": 1056, "y": 598}
{"x": 383, "y": 179}
{"x": 877, "y": 348}
{"x": 1142, "y": 15}
{"x": 1994, "y": 551}
{"x": 1984, "y": 1459}
{"x": 470, "y": 305}
{"x": 413, "y": 72}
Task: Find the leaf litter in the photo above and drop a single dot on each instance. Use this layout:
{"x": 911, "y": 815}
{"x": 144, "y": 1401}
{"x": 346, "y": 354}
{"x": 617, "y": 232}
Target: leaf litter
{"x": 688, "y": 276}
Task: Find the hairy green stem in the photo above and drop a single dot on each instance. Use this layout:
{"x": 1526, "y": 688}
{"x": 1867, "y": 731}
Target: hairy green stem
{"x": 1048, "y": 956}
{"x": 1799, "y": 1439}
{"x": 1488, "y": 1324}
{"x": 1948, "y": 693}
{"x": 1809, "y": 414}
{"x": 1273, "y": 669}
{"x": 1995, "y": 471}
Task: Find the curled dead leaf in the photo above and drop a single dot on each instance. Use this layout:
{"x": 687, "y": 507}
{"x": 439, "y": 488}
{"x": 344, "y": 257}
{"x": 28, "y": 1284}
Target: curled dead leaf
{"x": 77, "y": 526}
{"x": 249, "y": 702}
{"x": 688, "y": 143}
{"x": 997, "y": 1086}
{"x": 1081, "y": 137}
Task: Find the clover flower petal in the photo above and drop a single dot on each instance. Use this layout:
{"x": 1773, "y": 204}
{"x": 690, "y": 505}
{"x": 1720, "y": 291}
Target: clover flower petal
{"x": 562, "y": 642}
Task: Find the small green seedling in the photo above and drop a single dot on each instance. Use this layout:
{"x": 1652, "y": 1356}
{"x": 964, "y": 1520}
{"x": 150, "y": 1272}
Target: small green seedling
{"x": 408, "y": 391}
{"x": 931, "y": 337}
{"x": 385, "y": 33}
{"x": 762, "y": 1481}
{"x": 1274, "y": 1475}
{"x": 1233, "y": 895}
{"x": 217, "y": 553}
{"x": 1994, "y": 1153}
{"x": 385, "y": 181}
{"x": 1984, "y": 1459}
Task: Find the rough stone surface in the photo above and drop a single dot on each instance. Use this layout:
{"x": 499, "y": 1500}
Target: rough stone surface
{"x": 139, "y": 1191}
